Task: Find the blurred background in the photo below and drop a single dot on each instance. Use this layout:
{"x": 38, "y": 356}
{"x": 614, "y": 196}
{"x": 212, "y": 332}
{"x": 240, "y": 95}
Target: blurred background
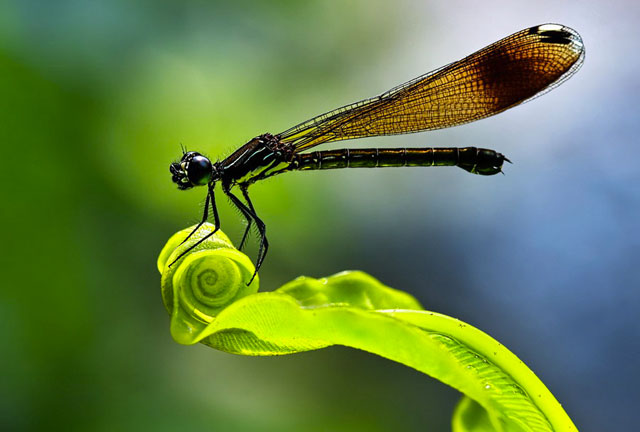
{"x": 96, "y": 98}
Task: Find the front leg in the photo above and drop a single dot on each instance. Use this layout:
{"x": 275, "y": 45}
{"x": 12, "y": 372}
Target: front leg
{"x": 216, "y": 220}
{"x": 205, "y": 216}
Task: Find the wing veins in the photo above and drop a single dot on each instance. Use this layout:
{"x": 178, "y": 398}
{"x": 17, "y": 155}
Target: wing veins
{"x": 506, "y": 73}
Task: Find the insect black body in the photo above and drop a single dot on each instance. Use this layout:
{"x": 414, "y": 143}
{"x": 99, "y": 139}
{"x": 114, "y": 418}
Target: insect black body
{"x": 500, "y": 76}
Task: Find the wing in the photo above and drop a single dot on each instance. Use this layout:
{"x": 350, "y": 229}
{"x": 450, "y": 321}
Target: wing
{"x": 513, "y": 70}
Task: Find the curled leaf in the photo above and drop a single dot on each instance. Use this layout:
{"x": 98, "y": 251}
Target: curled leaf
{"x": 351, "y": 309}
{"x": 197, "y": 287}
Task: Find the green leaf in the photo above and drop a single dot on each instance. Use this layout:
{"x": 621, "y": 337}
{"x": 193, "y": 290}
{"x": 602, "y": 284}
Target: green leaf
{"x": 209, "y": 302}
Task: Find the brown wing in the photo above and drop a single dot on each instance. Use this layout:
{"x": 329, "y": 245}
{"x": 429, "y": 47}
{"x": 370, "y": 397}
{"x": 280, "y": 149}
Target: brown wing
{"x": 508, "y": 72}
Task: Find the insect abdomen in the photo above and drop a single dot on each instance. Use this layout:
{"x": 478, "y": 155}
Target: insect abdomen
{"x": 471, "y": 159}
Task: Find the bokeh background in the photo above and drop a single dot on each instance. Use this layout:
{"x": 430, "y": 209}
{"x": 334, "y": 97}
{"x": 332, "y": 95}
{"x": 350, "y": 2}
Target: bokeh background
{"x": 95, "y": 99}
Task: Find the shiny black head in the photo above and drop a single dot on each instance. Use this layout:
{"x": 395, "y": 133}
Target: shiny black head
{"x": 192, "y": 170}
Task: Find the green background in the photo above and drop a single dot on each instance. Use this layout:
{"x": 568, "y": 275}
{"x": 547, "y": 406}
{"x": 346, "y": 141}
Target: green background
{"x": 95, "y": 99}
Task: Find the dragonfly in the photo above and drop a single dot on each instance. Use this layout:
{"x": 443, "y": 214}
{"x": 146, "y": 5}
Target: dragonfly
{"x": 508, "y": 72}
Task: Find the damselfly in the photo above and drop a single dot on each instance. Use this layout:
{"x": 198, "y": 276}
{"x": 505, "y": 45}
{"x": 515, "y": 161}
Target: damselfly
{"x": 513, "y": 70}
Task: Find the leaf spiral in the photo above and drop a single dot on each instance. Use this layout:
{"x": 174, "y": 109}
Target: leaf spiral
{"x": 197, "y": 287}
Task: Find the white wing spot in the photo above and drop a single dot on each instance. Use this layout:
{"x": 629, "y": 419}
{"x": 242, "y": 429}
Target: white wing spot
{"x": 549, "y": 27}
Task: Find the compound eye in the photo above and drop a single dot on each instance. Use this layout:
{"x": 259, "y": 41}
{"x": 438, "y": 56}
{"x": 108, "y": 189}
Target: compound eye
{"x": 199, "y": 170}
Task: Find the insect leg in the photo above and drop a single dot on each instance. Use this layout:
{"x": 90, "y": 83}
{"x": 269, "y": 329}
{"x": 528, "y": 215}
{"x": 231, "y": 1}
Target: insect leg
{"x": 216, "y": 219}
{"x": 205, "y": 216}
{"x": 264, "y": 244}
{"x": 214, "y": 208}
{"x": 249, "y": 221}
